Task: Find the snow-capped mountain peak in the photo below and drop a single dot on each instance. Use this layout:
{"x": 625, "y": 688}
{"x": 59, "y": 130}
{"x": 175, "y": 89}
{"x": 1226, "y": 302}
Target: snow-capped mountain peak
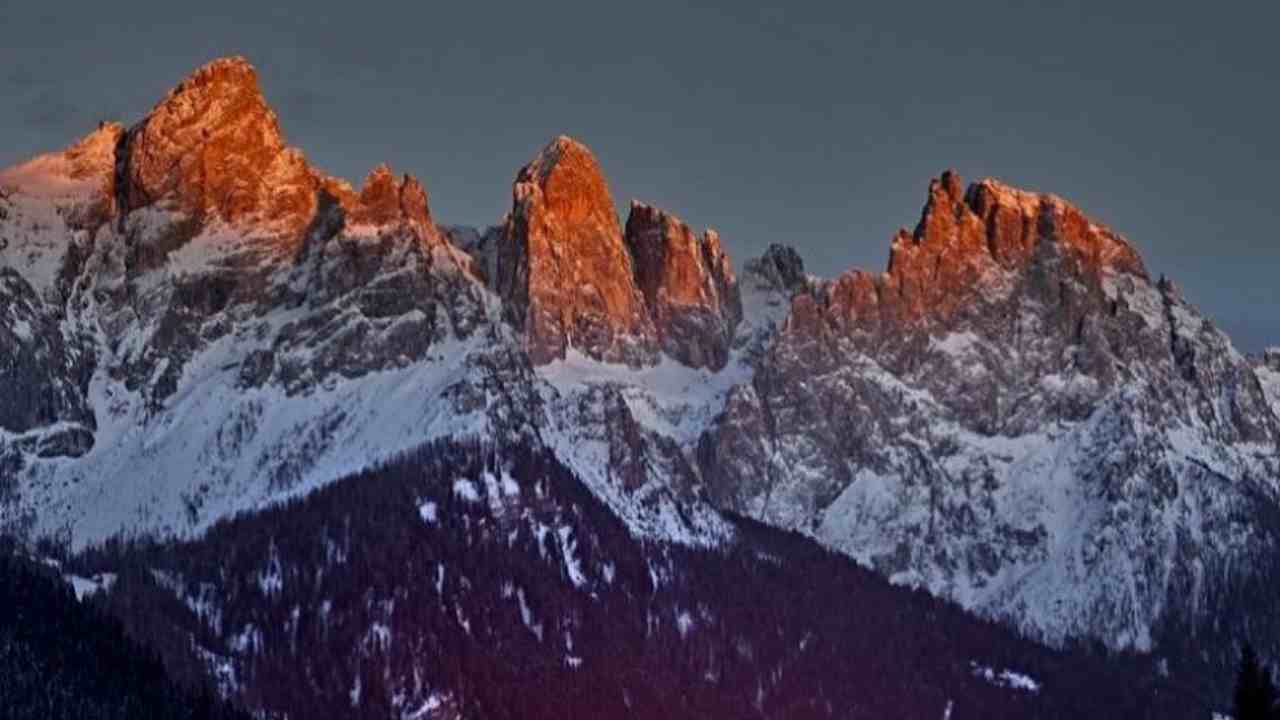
{"x": 1012, "y": 414}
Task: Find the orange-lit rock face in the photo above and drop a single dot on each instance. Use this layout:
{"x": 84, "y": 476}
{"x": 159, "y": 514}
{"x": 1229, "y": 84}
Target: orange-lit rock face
{"x": 384, "y": 200}
{"x": 688, "y": 285}
{"x": 1015, "y": 221}
{"x": 92, "y": 160}
{"x": 967, "y": 245}
{"x": 563, "y": 266}
{"x": 214, "y": 146}
{"x": 93, "y": 157}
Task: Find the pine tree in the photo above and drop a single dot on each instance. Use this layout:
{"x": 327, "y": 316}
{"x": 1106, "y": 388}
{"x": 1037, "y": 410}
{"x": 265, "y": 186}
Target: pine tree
{"x": 1255, "y": 694}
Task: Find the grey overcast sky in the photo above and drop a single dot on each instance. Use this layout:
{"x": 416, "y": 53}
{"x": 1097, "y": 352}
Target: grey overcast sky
{"x": 816, "y": 124}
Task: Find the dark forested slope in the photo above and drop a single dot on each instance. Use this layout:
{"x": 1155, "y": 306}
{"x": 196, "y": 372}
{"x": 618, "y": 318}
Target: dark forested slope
{"x": 63, "y": 659}
{"x": 459, "y": 581}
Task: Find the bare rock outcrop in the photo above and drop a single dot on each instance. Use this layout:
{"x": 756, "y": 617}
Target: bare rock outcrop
{"x": 1014, "y": 414}
{"x": 780, "y": 268}
{"x": 971, "y": 243}
{"x": 385, "y": 200}
{"x": 563, "y": 267}
{"x": 214, "y": 146}
{"x": 688, "y": 285}
{"x": 1015, "y": 363}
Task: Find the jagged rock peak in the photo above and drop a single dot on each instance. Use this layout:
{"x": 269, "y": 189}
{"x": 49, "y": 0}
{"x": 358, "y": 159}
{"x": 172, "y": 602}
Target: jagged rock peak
{"x": 780, "y": 267}
{"x": 670, "y": 259}
{"x": 220, "y": 100}
{"x": 214, "y": 146}
{"x": 384, "y": 199}
{"x": 233, "y": 69}
{"x": 1012, "y": 222}
{"x": 561, "y": 149}
{"x": 566, "y": 178}
{"x": 688, "y": 285}
{"x": 970, "y": 243}
{"x": 1271, "y": 358}
{"x": 563, "y": 266}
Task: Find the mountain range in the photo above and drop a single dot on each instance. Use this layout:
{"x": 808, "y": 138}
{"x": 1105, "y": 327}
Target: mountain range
{"x": 1015, "y": 416}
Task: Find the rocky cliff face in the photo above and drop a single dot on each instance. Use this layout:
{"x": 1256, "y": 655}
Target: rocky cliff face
{"x": 688, "y": 285}
{"x": 562, "y": 266}
{"x": 1268, "y": 370}
{"x": 43, "y": 374}
{"x": 189, "y": 291}
{"x": 965, "y": 245}
{"x": 201, "y": 349}
{"x": 1014, "y": 414}
{"x": 50, "y": 208}
{"x": 213, "y": 146}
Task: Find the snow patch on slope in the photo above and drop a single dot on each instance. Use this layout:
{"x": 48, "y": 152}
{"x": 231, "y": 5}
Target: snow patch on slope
{"x": 1016, "y": 528}
{"x": 1006, "y": 678}
{"x": 669, "y": 398}
{"x": 36, "y": 234}
{"x": 215, "y": 450}
{"x": 87, "y": 586}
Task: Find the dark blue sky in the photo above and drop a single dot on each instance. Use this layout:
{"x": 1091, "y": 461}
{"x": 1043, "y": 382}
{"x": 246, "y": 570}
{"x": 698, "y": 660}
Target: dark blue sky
{"x": 813, "y": 125}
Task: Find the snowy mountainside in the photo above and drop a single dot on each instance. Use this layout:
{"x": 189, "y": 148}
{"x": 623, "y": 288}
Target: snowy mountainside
{"x": 634, "y": 432}
{"x": 221, "y": 375}
{"x": 178, "y": 363}
{"x": 456, "y": 581}
{"x": 1014, "y": 415}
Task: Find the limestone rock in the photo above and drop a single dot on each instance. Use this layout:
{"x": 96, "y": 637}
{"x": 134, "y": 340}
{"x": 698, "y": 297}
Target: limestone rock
{"x": 1014, "y": 365}
{"x": 781, "y": 266}
{"x": 563, "y": 267}
{"x": 688, "y": 286}
{"x": 214, "y": 147}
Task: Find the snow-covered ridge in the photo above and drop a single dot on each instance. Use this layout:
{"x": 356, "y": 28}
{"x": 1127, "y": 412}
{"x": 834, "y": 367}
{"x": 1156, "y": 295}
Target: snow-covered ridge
{"x": 220, "y": 378}
{"x": 674, "y": 399}
{"x": 75, "y": 173}
{"x": 44, "y": 201}
{"x": 213, "y": 369}
{"x": 1015, "y": 418}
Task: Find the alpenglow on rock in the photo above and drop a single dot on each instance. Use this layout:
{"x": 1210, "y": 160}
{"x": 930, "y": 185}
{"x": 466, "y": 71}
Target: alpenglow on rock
{"x": 214, "y": 146}
{"x": 688, "y": 285}
{"x": 562, "y": 266}
{"x": 203, "y": 345}
{"x": 1014, "y": 414}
